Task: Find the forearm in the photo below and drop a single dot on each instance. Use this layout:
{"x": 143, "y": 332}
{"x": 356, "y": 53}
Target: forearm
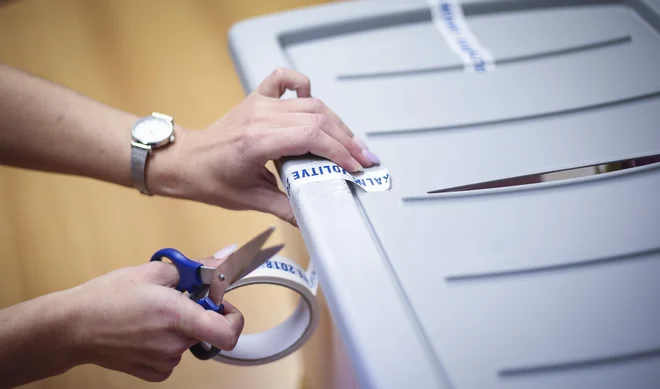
{"x": 34, "y": 343}
{"x": 49, "y": 127}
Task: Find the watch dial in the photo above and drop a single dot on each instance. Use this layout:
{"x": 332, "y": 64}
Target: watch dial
{"x": 152, "y": 130}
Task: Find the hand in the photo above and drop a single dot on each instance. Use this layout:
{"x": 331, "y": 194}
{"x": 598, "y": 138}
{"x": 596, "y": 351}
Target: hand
{"x": 132, "y": 320}
{"x": 224, "y": 164}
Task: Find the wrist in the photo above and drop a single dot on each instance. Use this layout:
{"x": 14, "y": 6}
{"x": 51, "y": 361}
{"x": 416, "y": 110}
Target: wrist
{"x": 36, "y": 339}
{"x": 71, "y": 321}
{"x": 163, "y": 169}
{"x": 55, "y": 313}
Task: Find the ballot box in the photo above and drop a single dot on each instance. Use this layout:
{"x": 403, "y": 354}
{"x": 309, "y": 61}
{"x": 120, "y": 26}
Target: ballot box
{"x": 518, "y": 245}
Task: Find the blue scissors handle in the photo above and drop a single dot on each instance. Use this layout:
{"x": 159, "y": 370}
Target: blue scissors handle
{"x": 190, "y": 280}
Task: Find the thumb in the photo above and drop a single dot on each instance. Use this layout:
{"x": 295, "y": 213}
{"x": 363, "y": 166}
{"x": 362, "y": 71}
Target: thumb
{"x": 160, "y": 273}
{"x": 166, "y": 273}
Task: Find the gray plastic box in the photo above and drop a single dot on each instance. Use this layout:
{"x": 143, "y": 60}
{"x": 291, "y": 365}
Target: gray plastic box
{"x": 549, "y": 285}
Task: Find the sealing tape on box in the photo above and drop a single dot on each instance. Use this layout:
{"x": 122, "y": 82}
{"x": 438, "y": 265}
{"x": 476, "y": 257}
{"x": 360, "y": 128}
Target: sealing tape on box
{"x": 448, "y": 18}
{"x": 291, "y": 334}
{"x": 375, "y": 180}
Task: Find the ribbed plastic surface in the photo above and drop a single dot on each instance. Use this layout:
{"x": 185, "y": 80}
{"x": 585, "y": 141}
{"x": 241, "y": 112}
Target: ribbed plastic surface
{"x": 551, "y": 285}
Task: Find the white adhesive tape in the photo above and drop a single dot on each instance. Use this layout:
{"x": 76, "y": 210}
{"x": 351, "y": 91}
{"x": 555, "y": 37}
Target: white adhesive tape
{"x": 448, "y": 18}
{"x": 376, "y": 180}
{"x": 291, "y": 334}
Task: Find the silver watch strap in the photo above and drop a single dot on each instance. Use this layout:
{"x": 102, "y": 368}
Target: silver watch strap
{"x": 139, "y": 154}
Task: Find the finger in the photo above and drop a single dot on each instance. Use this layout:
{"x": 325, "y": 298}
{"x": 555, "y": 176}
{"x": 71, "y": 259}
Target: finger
{"x": 275, "y": 202}
{"x": 328, "y": 126}
{"x": 282, "y": 79}
{"x": 222, "y": 331}
{"x": 218, "y": 257}
{"x": 162, "y": 352}
{"x": 141, "y": 371}
{"x": 150, "y": 374}
{"x": 225, "y": 252}
{"x": 268, "y": 176}
{"x": 161, "y": 273}
{"x": 235, "y": 319}
{"x": 165, "y": 365}
{"x": 312, "y": 105}
{"x": 158, "y": 361}
{"x": 300, "y": 140}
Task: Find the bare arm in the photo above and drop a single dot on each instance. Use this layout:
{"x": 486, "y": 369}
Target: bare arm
{"x": 34, "y": 340}
{"x": 51, "y": 128}
{"x": 129, "y": 320}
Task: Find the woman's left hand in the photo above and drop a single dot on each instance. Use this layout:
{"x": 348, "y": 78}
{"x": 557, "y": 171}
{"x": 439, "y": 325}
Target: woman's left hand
{"x": 224, "y": 165}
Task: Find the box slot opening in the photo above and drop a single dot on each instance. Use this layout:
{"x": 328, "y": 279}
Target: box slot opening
{"x": 557, "y": 175}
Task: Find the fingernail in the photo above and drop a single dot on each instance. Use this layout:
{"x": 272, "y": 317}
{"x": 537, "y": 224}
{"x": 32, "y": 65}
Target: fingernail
{"x": 371, "y": 157}
{"x": 225, "y": 252}
{"x": 361, "y": 144}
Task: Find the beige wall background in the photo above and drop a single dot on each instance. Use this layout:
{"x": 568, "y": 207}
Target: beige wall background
{"x": 58, "y": 231}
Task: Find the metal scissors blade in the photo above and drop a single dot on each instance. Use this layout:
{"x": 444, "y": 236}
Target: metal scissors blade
{"x": 236, "y": 264}
{"x": 243, "y": 257}
{"x": 239, "y": 258}
{"x": 262, "y": 257}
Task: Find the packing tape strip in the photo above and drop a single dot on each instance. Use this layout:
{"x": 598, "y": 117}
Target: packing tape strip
{"x": 448, "y": 18}
{"x": 372, "y": 180}
{"x": 291, "y": 334}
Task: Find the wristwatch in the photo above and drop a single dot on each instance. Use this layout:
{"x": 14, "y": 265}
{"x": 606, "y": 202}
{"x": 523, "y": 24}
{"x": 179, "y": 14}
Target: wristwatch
{"x": 148, "y": 133}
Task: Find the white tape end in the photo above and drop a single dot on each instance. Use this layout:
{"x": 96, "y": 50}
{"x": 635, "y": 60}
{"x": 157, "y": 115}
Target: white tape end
{"x": 375, "y": 180}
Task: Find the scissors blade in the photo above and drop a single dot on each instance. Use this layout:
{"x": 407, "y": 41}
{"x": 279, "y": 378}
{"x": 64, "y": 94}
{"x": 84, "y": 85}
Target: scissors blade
{"x": 228, "y": 271}
{"x": 262, "y": 257}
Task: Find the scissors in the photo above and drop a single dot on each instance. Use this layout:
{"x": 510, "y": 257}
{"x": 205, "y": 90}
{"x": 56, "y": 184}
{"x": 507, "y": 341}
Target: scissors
{"x": 207, "y": 285}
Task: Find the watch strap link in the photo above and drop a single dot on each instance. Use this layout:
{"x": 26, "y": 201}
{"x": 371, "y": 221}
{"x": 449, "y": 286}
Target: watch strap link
{"x": 139, "y": 154}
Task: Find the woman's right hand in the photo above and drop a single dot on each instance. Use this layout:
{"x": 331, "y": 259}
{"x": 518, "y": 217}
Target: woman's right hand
{"x": 132, "y": 320}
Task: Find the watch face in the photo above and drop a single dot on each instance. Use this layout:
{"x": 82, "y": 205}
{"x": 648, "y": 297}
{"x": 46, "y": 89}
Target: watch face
{"x": 152, "y": 130}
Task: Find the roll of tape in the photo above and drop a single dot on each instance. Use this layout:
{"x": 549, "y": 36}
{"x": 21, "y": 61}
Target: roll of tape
{"x": 291, "y": 334}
